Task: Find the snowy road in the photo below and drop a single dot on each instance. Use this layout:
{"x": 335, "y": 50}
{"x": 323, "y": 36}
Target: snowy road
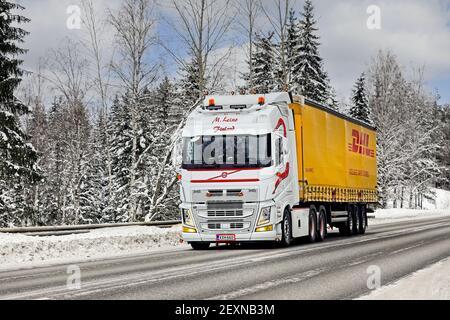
{"x": 335, "y": 269}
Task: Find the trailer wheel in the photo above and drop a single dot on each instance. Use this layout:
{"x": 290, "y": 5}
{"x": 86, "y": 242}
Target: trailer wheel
{"x": 286, "y": 240}
{"x": 322, "y": 224}
{"x": 199, "y": 245}
{"x": 363, "y": 219}
{"x": 312, "y": 234}
{"x": 350, "y": 225}
{"x": 357, "y": 219}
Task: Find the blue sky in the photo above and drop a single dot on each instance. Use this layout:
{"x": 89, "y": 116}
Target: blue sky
{"x": 417, "y": 31}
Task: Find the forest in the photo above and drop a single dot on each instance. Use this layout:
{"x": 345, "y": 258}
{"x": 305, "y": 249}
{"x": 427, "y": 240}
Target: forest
{"x": 90, "y": 135}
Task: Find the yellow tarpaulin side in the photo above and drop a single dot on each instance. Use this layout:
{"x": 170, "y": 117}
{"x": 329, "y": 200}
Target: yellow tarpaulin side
{"x": 336, "y": 157}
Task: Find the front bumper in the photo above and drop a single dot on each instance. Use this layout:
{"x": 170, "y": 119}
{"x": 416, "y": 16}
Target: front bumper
{"x": 240, "y": 237}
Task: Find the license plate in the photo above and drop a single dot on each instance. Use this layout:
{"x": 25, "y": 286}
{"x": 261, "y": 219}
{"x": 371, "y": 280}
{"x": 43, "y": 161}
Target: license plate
{"x": 225, "y": 237}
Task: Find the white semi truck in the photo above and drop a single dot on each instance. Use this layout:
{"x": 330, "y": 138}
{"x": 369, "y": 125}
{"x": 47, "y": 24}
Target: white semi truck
{"x": 273, "y": 168}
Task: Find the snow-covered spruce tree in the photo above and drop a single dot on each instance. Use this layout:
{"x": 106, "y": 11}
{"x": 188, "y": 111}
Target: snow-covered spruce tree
{"x": 293, "y": 50}
{"x": 166, "y": 113}
{"x": 360, "y": 108}
{"x": 332, "y": 100}
{"x": 17, "y": 157}
{"x": 311, "y": 80}
{"x": 264, "y": 72}
{"x": 120, "y": 149}
{"x": 98, "y": 202}
{"x": 443, "y": 114}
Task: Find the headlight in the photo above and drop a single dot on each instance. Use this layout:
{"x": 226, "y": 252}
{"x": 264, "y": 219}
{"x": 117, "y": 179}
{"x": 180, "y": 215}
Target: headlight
{"x": 187, "y": 217}
{"x": 264, "y": 216}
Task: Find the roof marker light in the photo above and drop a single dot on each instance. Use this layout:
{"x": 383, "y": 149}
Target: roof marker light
{"x": 212, "y": 102}
{"x": 261, "y": 101}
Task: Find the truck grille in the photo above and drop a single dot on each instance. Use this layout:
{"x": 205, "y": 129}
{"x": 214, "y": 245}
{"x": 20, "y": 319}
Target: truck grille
{"x": 225, "y": 213}
{"x": 225, "y": 209}
{"x": 220, "y": 216}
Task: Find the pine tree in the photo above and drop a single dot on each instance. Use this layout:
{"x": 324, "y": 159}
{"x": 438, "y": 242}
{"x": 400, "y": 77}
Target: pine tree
{"x": 263, "y": 63}
{"x": 360, "y": 109}
{"x": 120, "y": 148}
{"x": 190, "y": 90}
{"x": 311, "y": 80}
{"x": 17, "y": 157}
{"x": 332, "y": 100}
{"x": 293, "y": 50}
{"x": 166, "y": 103}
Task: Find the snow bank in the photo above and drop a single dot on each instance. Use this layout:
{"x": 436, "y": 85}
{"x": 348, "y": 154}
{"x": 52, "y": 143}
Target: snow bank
{"x": 18, "y": 250}
{"x": 432, "y": 283}
{"x": 396, "y": 215}
{"x": 441, "y": 201}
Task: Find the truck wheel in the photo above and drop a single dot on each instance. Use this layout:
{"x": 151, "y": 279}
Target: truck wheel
{"x": 286, "y": 240}
{"x": 322, "y": 224}
{"x": 312, "y": 234}
{"x": 363, "y": 219}
{"x": 199, "y": 245}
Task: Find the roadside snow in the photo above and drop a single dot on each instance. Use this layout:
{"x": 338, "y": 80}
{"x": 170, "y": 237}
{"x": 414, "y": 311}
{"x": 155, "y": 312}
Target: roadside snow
{"x": 397, "y": 215}
{"x": 22, "y": 251}
{"x": 441, "y": 201}
{"x": 432, "y": 283}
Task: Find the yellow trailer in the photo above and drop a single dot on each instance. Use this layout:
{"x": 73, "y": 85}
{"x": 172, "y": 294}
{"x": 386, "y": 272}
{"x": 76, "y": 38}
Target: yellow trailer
{"x": 336, "y": 155}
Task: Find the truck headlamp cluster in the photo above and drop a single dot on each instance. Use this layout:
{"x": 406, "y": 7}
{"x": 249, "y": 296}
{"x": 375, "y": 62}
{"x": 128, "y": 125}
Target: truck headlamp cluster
{"x": 264, "y": 216}
{"x": 187, "y": 217}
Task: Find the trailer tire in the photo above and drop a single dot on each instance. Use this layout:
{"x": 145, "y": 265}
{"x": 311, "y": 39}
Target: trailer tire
{"x": 312, "y": 225}
{"x": 350, "y": 225}
{"x": 363, "y": 219}
{"x": 357, "y": 221}
{"x": 322, "y": 224}
{"x": 286, "y": 227}
{"x": 200, "y": 245}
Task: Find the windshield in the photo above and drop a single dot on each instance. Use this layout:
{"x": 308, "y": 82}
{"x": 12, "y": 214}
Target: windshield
{"x": 227, "y": 152}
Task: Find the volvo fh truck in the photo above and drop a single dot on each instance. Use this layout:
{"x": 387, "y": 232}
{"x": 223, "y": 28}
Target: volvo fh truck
{"x": 274, "y": 167}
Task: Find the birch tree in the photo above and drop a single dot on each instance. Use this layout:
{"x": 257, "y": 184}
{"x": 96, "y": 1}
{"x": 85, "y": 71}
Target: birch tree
{"x": 134, "y": 25}
{"x": 277, "y": 13}
{"x": 202, "y": 26}
{"x": 249, "y": 11}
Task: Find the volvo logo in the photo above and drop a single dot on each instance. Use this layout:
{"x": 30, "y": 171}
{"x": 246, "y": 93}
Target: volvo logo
{"x": 224, "y": 175}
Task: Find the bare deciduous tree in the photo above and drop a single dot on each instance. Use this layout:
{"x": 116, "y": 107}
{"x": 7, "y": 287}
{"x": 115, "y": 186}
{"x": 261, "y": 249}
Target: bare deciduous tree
{"x": 203, "y": 26}
{"x": 134, "y": 25}
{"x": 249, "y": 10}
{"x": 278, "y": 16}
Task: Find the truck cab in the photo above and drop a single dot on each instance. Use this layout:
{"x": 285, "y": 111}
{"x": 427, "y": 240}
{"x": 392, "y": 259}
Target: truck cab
{"x": 238, "y": 178}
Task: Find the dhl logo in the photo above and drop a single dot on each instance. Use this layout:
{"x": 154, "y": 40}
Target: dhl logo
{"x": 360, "y": 144}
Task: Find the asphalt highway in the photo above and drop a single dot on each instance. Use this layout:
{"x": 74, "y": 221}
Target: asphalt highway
{"x": 338, "y": 268}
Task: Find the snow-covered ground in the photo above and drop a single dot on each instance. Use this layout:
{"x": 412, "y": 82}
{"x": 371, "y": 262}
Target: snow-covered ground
{"x": 432, "y": 283}
{"x": 22, "y": 251}
{"x": 396, "y": 215}
{"x": 441, "y": 201}
{"x": 440, "y": 206}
